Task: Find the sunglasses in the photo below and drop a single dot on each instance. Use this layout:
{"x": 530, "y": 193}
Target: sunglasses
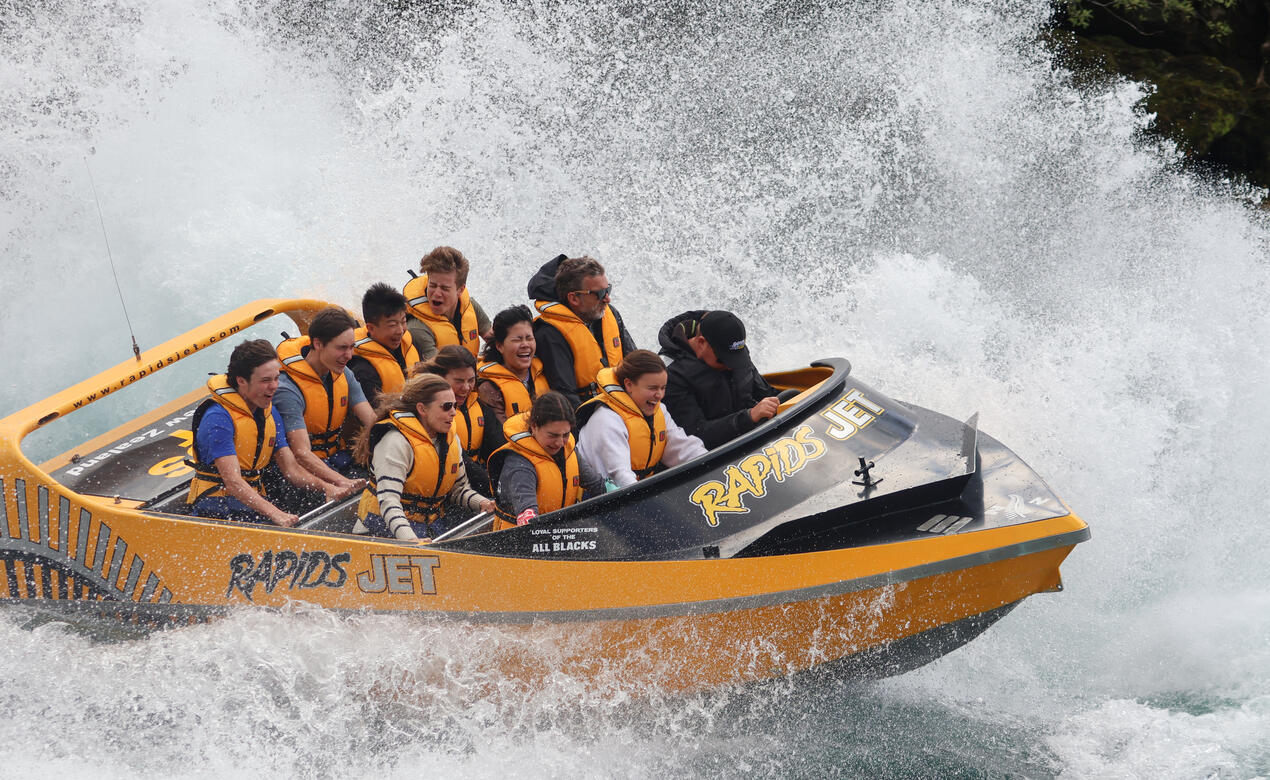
{"x": 599, "y": 294}
{"x": 448, "y": 405}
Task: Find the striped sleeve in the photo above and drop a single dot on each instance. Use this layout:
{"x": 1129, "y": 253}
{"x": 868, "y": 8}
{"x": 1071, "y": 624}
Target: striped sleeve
{"x": 391, "y": 462}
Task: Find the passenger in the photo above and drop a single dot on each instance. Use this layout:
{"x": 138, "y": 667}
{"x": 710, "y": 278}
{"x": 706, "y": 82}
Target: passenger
{"x": 316, "y": 393}
{"x": 538, "y": 470}
{"x": 237, "y": 433}
{"x": 713, "y": 389}
{"x": 383, "y": 350}
{"x": 511, "y": 377}
{"x": 456, "y": 365}
{"x": 578, "y": 331}
{"x": 627, "y": 432}
{"x": 442, "y": 311}
{"x": 416, "y": 464}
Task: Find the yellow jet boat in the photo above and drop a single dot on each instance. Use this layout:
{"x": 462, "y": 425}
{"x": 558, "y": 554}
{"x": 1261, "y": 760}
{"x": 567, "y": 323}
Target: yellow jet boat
{"x": 852, "y": 533}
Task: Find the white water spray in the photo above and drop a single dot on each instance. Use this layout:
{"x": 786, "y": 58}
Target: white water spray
{"x": 917, "y": 186}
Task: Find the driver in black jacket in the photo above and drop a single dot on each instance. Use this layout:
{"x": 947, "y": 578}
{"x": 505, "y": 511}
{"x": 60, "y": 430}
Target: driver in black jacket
{"x": 713, "y": 390}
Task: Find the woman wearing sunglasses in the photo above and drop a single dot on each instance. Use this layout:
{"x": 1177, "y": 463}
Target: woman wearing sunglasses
{"x": 416, "y": 464}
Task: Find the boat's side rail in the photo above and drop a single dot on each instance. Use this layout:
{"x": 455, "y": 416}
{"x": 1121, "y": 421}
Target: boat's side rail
{"x": 14, "y": 463}
{"x": 18, "y": 425}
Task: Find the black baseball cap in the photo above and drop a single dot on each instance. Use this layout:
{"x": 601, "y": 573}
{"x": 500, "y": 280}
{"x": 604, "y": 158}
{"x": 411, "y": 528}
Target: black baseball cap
{"x": 726, "y": 335}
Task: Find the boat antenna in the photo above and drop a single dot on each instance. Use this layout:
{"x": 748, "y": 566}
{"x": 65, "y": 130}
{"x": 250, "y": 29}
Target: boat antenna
{"x": 135, "y": 349}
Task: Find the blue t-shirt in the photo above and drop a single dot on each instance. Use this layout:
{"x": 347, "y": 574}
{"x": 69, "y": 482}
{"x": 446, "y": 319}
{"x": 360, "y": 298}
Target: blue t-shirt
{"x": 215, "y": 435}
{"x": 290, "y": 401}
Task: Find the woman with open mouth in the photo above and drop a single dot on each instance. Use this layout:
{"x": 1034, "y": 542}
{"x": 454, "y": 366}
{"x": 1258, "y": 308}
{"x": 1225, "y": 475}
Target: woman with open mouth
{"x": 511, "y": 376}
{"x": 416, "y": 463}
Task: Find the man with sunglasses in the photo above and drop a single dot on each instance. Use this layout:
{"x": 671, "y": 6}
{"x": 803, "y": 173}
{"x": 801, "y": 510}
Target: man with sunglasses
{"x": 577, "y": 331}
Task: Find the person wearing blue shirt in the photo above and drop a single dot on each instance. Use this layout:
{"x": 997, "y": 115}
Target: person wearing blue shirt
{"x": 237, "y": 434}
{"x": 289, "y": 404}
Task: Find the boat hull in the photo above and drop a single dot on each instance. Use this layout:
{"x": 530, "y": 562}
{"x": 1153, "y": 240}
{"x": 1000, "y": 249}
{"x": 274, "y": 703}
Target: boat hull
{"x": 676, "y": 625}
{"x": 779, "y": 552}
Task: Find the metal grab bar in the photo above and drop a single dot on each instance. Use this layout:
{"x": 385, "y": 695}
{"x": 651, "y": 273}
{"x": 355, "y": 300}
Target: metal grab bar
{"x": 466, "y": 527}
{"x": 316, "y": 514}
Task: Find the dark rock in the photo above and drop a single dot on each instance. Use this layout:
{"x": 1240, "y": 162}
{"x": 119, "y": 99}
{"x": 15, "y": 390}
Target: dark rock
{"x": 1208, "y": 68}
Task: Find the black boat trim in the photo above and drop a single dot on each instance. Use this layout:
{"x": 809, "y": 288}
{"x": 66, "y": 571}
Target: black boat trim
{"x": 108, "y": 584}
{"x": 812, "y": 404}
{"x": 904, "y": 655}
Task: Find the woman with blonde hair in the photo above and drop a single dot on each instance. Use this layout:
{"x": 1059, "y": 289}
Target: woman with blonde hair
{"x": 416, "y": 464}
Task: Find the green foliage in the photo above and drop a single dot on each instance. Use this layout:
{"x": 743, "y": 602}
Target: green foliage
{"x": 1080, "y": 13}
{"x": 1218, "y": 30}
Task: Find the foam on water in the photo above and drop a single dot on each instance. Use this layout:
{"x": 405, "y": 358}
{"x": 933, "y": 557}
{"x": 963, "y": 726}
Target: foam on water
{"x": 920, "y": 187}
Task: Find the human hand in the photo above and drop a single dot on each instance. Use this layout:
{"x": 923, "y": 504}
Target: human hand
{"x": 338, "y": 491}
{"x": 487, "y": 505}
{"x": 285, "y": 519}
{"x": 764, "y": 409}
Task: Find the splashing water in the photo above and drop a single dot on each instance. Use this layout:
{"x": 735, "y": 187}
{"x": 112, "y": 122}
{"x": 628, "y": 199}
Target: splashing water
{"x": 921, "y": 187}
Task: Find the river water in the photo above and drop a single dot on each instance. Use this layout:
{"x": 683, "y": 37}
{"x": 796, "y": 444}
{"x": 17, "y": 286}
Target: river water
{"x": 921, "y": 187}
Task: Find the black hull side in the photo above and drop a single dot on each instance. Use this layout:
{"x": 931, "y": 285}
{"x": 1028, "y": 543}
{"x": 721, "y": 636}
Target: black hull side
{"x": 909, "y": 653}
{"x": 796, "y": 467}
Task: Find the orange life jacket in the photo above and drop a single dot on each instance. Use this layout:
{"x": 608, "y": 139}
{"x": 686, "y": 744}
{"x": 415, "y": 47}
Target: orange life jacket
{"x": 556, "y": 489}
{"x": 324, "y": 412}
{"x": 392, "y": 375}
{"x": 588, "y": 358}
{"x": 469, "y": 425}
{"x": 516, "y": 398}
{"x": 468, "y": 333}
{"x": 428, "y": 482}
{"x": 647, "y": 436}
{"x": 254, "y": 443}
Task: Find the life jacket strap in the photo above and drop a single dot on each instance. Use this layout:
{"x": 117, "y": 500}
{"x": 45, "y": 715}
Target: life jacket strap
{"x": 326, "y": 443}
{"x": 211, "y": 473}
{"x": 502, "y": 519}
{"x": 215, "y": 485}
{"x": 428, "y": 507}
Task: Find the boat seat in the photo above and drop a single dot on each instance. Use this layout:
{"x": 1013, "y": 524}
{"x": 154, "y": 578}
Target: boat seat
{"x": 338, "y": 518}
{"x": 172, "y": 500}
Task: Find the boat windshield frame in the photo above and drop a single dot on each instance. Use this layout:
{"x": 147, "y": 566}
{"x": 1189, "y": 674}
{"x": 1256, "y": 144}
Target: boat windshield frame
{"x": 17, "y": 426}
